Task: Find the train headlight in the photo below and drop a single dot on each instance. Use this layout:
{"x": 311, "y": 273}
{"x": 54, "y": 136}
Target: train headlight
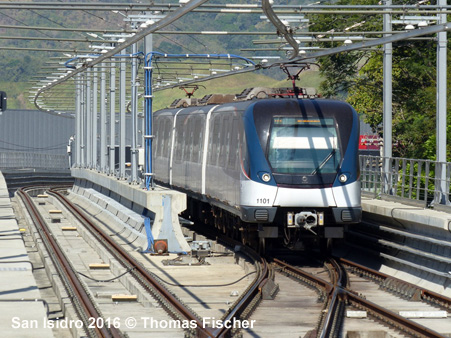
{"x": 266, "y": 177}
{"x": 343, "y": 178}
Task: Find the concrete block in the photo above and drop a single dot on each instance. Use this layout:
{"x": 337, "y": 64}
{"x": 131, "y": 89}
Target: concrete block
{"x": 111, "y": 209}
{"x": 164, "y": 203}
{"x": 123, "y": 217}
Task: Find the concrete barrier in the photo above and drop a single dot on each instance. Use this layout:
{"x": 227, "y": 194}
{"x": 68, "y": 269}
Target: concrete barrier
{"x": 131, "y": 204}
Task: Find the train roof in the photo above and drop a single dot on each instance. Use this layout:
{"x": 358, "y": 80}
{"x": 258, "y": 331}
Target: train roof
{"x": 333, "y": 107}
{"x": 246, "y": 95}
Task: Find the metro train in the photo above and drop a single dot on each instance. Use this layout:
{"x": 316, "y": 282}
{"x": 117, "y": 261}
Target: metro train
{"x": 264, "y": 170}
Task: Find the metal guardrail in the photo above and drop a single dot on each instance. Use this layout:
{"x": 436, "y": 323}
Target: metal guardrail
{"x": 409, "y": 180}
{"x": 23, "y": 160}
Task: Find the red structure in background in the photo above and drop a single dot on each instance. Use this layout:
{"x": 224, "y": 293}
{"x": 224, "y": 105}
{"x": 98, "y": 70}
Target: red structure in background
{"x": 370, "y": 142}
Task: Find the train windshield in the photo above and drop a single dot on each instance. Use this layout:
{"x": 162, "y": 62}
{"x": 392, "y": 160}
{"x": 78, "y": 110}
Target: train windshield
{"x": 305, "y": 146}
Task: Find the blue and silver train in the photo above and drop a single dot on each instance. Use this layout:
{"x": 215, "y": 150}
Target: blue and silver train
{"x": 284, "y": 169}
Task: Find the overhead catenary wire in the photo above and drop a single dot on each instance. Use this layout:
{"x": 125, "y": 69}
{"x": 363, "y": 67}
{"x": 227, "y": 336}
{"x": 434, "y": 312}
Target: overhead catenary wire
{"x": 137, "y": 37}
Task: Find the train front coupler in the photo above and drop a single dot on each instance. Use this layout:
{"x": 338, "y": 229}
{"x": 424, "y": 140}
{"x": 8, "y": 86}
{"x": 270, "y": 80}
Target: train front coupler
{"x": 305, "y": 219}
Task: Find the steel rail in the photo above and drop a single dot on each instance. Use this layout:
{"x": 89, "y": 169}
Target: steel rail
{"x": 307, "y": 277}
{"x": 253, "y": 292}
{"x": 86, "y": 305}
{"x": 330, "y": 323}
{"x": 392, "y": 318}
{"x": 144, "y": 277}
{"x": 249, "y": 299}
{"x": 333, "y": 290}
{"x": 343, "y": 293}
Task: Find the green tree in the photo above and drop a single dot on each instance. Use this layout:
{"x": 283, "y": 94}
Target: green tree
{"x": 339, "y": 70}
{"x": 358, "y": 78}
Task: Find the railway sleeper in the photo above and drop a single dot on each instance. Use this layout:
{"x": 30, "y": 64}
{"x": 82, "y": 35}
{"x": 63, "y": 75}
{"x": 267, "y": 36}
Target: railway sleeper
{"x": 322, "y": 293}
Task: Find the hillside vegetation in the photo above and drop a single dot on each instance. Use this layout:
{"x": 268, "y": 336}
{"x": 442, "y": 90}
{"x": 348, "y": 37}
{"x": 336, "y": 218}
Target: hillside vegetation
{"x": 17, "y": 68}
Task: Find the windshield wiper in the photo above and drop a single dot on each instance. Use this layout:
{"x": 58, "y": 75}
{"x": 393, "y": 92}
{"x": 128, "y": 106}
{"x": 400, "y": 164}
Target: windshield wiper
{"x": 323, "y": 163}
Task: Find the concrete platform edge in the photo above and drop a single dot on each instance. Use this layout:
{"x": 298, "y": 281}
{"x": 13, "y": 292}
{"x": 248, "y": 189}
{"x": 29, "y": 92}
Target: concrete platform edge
{"x": 425, "y": 220}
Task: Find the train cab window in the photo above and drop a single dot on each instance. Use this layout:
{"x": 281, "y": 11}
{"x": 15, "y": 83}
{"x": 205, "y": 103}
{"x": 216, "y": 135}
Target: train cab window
{"x": 303, "y": 146}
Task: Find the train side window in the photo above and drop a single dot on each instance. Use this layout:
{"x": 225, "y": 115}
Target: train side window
{"x": 215, "y": 141}
{"x": 233, "y": 145}
{"x": 177, "y": 142}
{"x": 211, "y": 140}
{"x": 157, "y": 140}
{"x": 197, "y": 148}
{"x": 184, "y": 142}
{"x": 240, "y": 144}
{"x": 238, "y": 147}
{"x": 203, "y": 128}
{"x": 167, "y": 137}
{"x": 162, "y": 140}
{"x": 186, "y": 139}
{"x": 191, "y": 123}
{"x": 244, "y": 154}
{"x": 224, "y": 140}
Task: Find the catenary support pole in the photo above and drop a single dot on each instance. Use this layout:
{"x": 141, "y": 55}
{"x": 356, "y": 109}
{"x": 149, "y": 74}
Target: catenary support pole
{"x": 77, "y": 121}
{"x": 122, "y": 121}
{"x": 112, "y": 119}
{"x": 103, "y": 154}
{"x": 83, "y": 121}
{"x": 134, "y": 110}
{"x": 88, "y": 105}
{"x": 95, "y": 82}
{"x": 387, "y": 101}
{"x": 442, "y": 195}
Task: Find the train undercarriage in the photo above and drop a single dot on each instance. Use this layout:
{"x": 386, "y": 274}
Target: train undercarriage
{"x": 303, "y": 234}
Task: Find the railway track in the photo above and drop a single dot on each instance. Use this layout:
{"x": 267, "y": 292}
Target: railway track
{"x": 149, "y": 282}
{"x": 152, "y": 284}
{"x": 82, "y": 300}
{"x": 317, "y": 308}
{"x": 338, "y": 297}
{"x": 328, "y": 310}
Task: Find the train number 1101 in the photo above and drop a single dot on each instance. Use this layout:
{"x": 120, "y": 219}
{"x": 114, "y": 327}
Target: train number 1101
{"x": 262, "y": 200}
